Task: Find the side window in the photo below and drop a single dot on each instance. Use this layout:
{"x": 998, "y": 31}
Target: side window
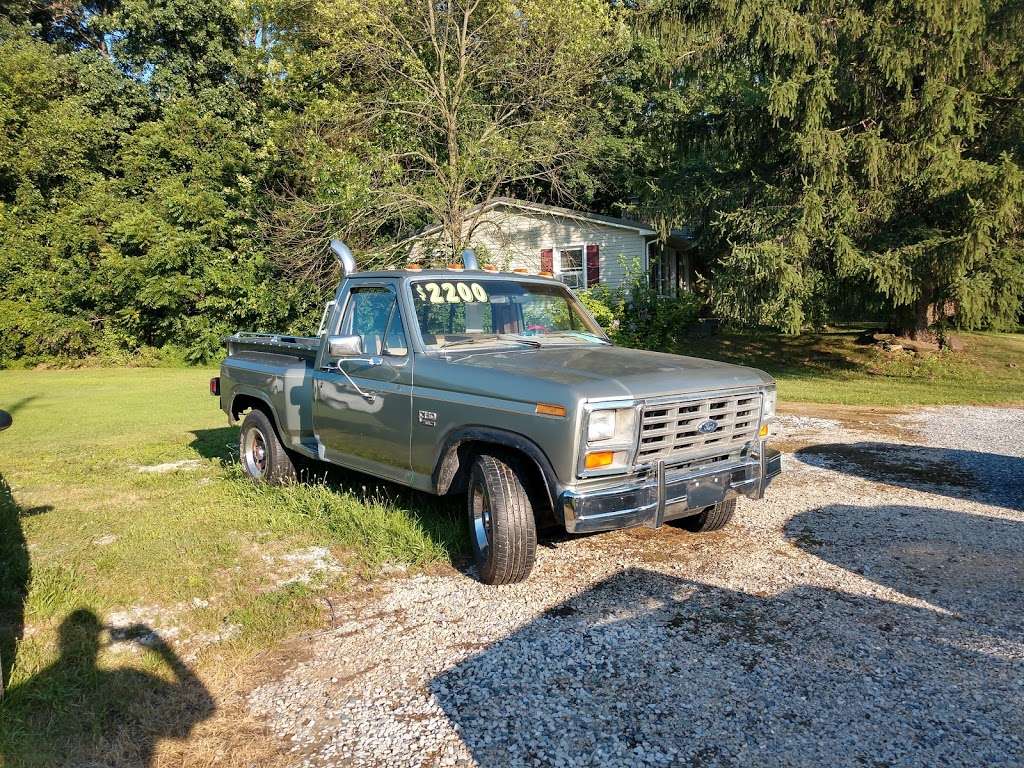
{"x": 367, "y": 316}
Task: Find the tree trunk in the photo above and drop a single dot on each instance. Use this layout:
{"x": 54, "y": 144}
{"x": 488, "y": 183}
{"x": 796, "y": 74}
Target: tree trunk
{"x": 925, "y": 315}
{"x": 915, "y": 322}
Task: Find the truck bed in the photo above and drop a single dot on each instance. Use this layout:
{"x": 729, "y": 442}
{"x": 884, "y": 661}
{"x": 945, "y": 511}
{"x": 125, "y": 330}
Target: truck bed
{"x": 302, "y": 347}
{"x": 278, "y": 369}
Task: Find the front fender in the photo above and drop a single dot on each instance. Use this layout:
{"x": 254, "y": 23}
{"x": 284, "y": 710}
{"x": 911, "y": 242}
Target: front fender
{"x": 448, "y": 462}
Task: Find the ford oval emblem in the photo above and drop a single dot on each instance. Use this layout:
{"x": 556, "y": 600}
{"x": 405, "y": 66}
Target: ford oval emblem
{"x": 707, "y": 427}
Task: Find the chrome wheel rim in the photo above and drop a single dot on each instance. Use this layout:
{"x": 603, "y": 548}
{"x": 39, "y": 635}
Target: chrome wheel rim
{"x": 254, "y": 454}
{"x": 480, "y": 520}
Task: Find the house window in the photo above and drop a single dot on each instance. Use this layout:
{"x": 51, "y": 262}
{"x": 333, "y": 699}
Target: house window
{"x": 571, "y": 268}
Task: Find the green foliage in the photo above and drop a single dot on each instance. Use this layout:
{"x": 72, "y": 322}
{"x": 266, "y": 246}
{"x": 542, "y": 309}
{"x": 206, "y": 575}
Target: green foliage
{"x": 634, "y": 315}
{"x": 128, "y": 187}
{"x": 837, "y": 147}
{"x": 163, "y": 161}
{"x": 601, "y": 305}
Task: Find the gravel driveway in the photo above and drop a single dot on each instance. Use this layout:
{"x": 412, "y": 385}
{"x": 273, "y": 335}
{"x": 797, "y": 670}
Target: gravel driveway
{"x": 869, "y": 612}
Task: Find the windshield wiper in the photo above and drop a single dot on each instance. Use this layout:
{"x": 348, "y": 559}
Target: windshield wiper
{"x": 520, "y": 339}
{"x": 499, "y": 337}
{"x": 577, "y": 334}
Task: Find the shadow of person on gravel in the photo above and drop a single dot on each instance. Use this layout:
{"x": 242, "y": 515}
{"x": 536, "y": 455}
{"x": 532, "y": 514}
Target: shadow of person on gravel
{"x": 76, "y": 712}
{"x": 988, "y": 478}
{"x": 648, "y": 669}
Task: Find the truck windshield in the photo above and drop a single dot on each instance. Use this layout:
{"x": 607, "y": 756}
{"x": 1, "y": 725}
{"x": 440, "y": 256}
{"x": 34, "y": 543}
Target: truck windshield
{"x": 467, "y": 311}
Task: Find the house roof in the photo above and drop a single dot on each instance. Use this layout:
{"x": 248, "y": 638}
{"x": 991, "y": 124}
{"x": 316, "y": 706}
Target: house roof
{"x": 554, "y": 210}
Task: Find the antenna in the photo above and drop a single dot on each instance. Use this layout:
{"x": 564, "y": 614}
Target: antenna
{"x": 469, "y": 259}
{"x": 344, "y": 256}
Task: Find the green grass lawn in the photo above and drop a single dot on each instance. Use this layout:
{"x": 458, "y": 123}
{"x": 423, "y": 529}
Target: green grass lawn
{"x": 86, "y": 532}
{"x": 832, "y": 368}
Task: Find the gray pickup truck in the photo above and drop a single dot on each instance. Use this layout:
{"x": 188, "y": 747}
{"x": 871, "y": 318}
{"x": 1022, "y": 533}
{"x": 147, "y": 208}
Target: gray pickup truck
{"x": 501, "y": 385}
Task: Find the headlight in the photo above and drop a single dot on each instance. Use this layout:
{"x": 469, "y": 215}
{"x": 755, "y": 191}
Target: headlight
{"x": 610, "y": 439}
{"x": 601, "y": 426}
{"x": 768, "y": 401}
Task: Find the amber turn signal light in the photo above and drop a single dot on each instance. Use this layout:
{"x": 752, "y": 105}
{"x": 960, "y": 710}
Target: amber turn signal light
{"x": 598, "y": 459}
{"x": 546, "y": 409}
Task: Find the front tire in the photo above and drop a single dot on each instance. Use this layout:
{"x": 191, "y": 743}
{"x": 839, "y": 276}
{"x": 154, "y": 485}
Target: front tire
{"x": 263, "y": 457}
{"x": 711, "y": 519}
{"x": 501, "y": 522}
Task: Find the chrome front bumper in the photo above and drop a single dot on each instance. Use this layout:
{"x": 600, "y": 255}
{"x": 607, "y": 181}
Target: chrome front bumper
{"x": 664, "y": 495}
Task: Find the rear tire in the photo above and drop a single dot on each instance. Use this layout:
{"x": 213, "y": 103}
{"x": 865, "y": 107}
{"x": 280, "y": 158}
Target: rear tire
{"x": 711, "y": 519}
{"x": 501, "y": 522}
{"x": 263, "y": 457}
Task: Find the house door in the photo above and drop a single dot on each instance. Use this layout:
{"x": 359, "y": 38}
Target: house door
{"x": 670, "y": 272}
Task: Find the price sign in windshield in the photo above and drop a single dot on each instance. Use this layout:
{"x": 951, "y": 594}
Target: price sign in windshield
{"x": 451, "y": 293}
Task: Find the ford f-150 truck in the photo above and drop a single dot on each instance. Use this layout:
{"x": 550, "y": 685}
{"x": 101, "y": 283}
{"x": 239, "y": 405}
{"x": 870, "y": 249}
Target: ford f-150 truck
{"x": 502, "y": 387}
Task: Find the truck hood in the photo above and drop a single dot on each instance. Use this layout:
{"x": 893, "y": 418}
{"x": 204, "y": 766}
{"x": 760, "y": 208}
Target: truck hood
{"x": 600, "y": 371}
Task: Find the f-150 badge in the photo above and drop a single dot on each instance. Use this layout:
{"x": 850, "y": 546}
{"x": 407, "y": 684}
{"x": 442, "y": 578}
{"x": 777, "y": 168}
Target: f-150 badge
{"x": 428, "y": 418}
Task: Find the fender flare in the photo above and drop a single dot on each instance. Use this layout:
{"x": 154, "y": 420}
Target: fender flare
{"x": 255, "y": 395}
{"x": 448, "y": 463}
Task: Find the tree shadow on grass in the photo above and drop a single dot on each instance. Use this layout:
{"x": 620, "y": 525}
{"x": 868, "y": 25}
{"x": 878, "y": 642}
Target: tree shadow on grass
{"x": 809, "y": 355}
{"x": 74, "y": 712}
{"x": 644, "y": 668}
{"x": 988, "y": 478}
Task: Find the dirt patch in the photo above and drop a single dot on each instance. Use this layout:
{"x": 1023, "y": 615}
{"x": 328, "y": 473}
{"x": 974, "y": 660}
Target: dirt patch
{"x": 889, "y": 422}
{"x": 170, "y": 466}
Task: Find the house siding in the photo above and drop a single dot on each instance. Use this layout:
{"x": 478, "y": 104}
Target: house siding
{"x": 511, "y": 239}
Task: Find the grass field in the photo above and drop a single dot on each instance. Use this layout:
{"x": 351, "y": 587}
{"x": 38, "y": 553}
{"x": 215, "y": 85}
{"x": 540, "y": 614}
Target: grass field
{"x": 832, "y": 368}
{"x": 88, "y": 529}
{"x": 218, "y": 567}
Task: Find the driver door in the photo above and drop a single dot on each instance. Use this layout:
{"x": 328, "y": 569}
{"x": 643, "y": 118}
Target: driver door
{"x": 361, "y": 405}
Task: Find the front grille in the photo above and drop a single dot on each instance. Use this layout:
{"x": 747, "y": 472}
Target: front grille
{"x": 669, "y": 431}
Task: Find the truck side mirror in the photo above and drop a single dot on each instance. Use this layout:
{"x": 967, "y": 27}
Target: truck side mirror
{"x": 344, "y": 346}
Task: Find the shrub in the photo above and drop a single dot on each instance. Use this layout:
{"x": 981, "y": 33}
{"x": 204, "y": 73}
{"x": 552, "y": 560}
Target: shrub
{"x": 636, "y": 316}
{"x": 601, "y": 306}
{"x": 27, "y": 331}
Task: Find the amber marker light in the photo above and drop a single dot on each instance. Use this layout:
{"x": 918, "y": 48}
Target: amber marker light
{"x": 598, "y": 459}
{"x": 490, "y": 268}
{"x": 764, "y": 430}
{"x": 546, "y": 409}
{"x": 414, "y": 267}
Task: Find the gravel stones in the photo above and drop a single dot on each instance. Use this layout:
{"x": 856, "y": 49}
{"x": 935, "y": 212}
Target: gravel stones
{"x": 844, "y": 620}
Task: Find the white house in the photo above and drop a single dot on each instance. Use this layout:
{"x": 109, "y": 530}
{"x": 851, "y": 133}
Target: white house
{"x": 581, "y": 249}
